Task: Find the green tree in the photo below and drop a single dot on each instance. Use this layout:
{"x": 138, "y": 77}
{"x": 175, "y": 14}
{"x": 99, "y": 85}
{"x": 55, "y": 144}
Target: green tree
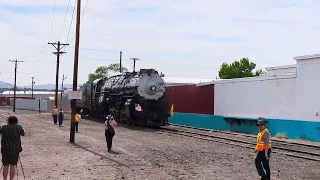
{"x": 104, "y": 71}
{"x": 238, "y": 69}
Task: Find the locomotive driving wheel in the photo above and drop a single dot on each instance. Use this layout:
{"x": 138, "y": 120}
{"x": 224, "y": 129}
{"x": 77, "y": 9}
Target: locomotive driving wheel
{"x": 127, "y": 121}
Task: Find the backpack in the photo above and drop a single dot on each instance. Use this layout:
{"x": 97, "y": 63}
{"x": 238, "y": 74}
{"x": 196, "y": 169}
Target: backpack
{"x": 60, "y": 115}
{"x": 111, "y": 130}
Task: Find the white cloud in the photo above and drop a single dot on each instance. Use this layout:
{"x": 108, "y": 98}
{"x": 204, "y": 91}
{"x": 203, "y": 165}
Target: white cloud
{"x": 173, "y": 32}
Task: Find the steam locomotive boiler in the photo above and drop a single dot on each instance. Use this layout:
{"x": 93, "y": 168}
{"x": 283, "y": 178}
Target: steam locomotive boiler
{"x": 132, "y": 98}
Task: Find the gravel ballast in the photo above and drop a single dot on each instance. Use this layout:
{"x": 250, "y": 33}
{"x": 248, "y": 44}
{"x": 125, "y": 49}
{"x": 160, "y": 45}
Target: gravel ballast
{"x": 138, "y": 154}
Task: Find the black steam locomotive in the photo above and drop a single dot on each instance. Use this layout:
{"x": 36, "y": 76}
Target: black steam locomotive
{"x": 131, "y": 97}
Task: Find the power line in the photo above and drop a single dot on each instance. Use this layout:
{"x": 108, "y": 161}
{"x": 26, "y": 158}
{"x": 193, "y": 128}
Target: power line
{"x": 36, "y": 55}
{"x": 84, "y": 10}
{"x": 40, "y": 59}
{"x": 93, "y": 49}
{"x": 93, "y": 59}
{"x": 27, "y": 58}
{"x": 74, "y": 8}
{"x": 11, "y": 74}
{"x": 72, "y": 21}
{"x": 155, "y": 62}
{"x": 64, "y": 20}
{"x": 40, "y": 69}
{"x": 181, "y": 65}
{"x": 5, "y": 66}
{"x": 30, "y": 57}
{"x": 54, "y": 9}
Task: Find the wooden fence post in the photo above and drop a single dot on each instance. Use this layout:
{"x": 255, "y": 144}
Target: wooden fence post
{"x": 39, "y": 107}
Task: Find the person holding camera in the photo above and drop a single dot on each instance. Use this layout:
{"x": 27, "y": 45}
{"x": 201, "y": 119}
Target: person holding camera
{"x": 11, "y": 146}
{"x": 109, "y": 131}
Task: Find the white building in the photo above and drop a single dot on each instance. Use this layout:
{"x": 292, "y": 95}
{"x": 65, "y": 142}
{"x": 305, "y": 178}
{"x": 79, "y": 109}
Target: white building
{"x": 183, "y": 80}
{"x": 287, "y": 96}
{"x": 281, "y": 70}
{"x": 28, "y": 93}
{"x": 286, "y": 92}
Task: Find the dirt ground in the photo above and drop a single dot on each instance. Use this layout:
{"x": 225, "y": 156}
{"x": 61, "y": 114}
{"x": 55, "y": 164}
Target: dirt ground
{"x": 138, "y": 154}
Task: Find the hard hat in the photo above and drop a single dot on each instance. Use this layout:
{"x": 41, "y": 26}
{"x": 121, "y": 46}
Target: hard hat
{"x": 261, "y": 122}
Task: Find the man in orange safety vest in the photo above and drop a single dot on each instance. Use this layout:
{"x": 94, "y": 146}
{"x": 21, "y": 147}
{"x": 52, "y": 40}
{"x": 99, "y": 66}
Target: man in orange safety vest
{"x": 55, "y": 112}
{"x": 263, "y": 148}
{"x": 77, "y": 119}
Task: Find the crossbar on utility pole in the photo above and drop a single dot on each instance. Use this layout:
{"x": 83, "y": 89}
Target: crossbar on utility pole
{"x": 75, "y": 72}
{"x": 58, "y": 48}
{"x": 15, "y": 83}
{"x": 134, "y": 63}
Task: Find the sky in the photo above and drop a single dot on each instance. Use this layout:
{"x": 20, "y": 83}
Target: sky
{"x": 181, "y": 38}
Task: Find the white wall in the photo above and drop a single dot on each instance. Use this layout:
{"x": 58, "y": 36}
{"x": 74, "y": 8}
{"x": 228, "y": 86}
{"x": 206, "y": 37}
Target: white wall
{"x": 45, "y": 105}
{"x": 274, "y": 98}
{"x": 284, "y": 97}
{"x": 281, "y": 70}
{"x": 308, "y": 88}
{"x": 29, "y": 104}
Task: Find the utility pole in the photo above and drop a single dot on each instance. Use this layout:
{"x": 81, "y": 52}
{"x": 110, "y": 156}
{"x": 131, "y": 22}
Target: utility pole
{"x": 63, "y": 78}
{"x": 32, "y": 87}
{"x": 15, "y": 83}
{"x": 58, "y": 48}
{"x": 120, "y": 61}
{"x": 134, "y": 63}
{"x": 75, "y": 72}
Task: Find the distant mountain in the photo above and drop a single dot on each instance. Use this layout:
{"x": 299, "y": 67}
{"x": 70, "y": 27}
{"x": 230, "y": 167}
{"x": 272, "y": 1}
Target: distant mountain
{"x": 5, "y": 85}
{"x": 51, "y": 86}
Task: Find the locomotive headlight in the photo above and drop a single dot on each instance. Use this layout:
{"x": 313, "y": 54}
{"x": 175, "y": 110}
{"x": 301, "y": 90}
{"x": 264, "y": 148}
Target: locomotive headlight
{"x": 149, "y": 87}
{"x": 153, "y": 87}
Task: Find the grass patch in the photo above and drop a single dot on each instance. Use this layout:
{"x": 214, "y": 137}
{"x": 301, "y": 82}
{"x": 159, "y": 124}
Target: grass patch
{"x": 281, "y": 136}
{"x": 303, "y": 137}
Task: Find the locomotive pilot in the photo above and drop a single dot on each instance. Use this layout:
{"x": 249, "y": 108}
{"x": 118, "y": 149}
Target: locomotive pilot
{"x": 263, "y": 148}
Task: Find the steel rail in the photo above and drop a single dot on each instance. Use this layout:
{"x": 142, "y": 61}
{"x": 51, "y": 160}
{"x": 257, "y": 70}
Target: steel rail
{"x": 240, "y": 142}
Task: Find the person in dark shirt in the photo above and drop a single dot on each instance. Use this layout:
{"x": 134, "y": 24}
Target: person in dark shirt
{"x": 11, "y": 145}
{"x": 60, "y": 117}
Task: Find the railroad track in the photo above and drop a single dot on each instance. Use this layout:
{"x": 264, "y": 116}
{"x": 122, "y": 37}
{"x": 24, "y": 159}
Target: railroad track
{"x": 249, "y": 136}
{"x": 277, "y": 141}
{"x": 304, "y": 151}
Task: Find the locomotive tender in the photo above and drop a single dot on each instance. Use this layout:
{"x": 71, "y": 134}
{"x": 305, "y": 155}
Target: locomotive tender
{"x": 131, "y": 97}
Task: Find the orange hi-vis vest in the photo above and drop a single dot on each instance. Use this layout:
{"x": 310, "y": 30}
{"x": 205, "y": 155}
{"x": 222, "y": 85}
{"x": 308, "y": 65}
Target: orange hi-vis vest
{"x": 76, "y": 118}
{"x": 171, "y": 110}
{"x": 260, "y": 142}
{"x": 55, "y": 112}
